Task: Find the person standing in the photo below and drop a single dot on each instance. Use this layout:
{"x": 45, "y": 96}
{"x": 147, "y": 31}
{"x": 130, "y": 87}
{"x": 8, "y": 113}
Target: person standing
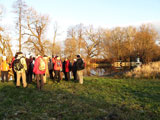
{"x": 12, "y": 66}
{"x": 30, "y": 70}
{"x": 74, "y": 70}
{"x": 67, "y": 67}
{"x": 39, "y": 70}
{"x": 27, "y": 71}
{"x": 80, "y": 66}
{"x": 53, "y": 61}
{"x": 4, "y": 68}
{"x": 57, "y": 69}
{"x": 45, "y": 59}
{"x": 20, "y": 67}
{"x": 50, "y": 68}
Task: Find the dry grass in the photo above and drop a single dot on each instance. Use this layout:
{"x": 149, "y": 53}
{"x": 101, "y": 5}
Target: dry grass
{"x": 151, "y": 70}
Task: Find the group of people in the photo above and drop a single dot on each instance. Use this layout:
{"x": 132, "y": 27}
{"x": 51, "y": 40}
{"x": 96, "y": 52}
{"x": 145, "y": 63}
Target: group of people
{"x": 41, "y": 67}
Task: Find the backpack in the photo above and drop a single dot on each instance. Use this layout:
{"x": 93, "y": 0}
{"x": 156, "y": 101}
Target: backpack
{"x": 42, "y": 65}
{"x": 83, "y": 65}
{"x": 58, "y": 63}
{"x": 18, "y": 65}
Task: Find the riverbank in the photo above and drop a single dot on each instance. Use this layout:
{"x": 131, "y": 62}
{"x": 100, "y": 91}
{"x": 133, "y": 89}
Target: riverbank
{"x": 98, "y": 98}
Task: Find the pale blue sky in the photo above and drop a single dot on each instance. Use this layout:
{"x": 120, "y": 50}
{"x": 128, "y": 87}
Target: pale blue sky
{"x": 104, "y": 13}
{"x": 96, "y": 12}
{"x": 100, "y": 12}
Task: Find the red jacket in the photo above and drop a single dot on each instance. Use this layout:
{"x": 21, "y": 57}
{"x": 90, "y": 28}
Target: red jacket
{"x": 11, "y": 66}
{"x": 53, "y": 60}
{"x": 67, "y": 63}
{"x": 57, "y": 65}
{"x": 36, "y": 66}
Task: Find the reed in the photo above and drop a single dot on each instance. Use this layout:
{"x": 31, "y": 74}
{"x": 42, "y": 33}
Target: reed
{"x": 151, "y": 70}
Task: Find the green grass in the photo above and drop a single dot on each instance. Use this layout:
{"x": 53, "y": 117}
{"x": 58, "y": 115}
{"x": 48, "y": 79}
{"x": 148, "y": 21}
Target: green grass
{"x": 97, "y": 99}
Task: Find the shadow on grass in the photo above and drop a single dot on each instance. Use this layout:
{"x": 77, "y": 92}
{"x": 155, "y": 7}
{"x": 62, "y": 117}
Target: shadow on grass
{"x": 58, "y": 103}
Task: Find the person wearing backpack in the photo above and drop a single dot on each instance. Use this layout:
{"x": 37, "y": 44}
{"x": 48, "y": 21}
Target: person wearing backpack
{"x": 4, "y": 68}
{"x": 39, "y": 70}
{"x": 20, "y": 67}
{"x": 45, "y": 59}
{"x": 80, "y": 65}
{"x": 57, "y": 69}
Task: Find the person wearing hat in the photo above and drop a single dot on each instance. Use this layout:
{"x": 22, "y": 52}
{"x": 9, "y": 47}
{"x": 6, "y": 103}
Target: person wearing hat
{"x": 80, "y": 67}
{"x": 4, "y": 68}
{"x": 57, "y": 69}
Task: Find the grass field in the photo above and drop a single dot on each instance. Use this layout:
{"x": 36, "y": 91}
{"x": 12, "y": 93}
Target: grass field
{"x": 97, "y": 99}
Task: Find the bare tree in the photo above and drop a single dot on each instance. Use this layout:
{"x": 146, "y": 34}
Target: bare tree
{"x": 20, "y": 10}
{"x": 80, "y": 33}
{"x": 128, "y": 49}
{"x": 5, "y": 47}
{"x": 54, "y": 38}
{"x": 145, "y": 43}
{"x": 36, "y": 26}
{"x": 77, "y": 33}
{"x": 113, "y": 42}
{"x": 70, "y": 48}
{"x": 93, "y": 40}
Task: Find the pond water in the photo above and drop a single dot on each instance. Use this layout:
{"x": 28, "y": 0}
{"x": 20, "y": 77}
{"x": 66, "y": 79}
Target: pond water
{"x": 103, "y": 71}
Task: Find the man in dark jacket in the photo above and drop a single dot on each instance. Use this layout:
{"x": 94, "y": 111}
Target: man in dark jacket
{"x": 80, "y": 67}
{"x": 27, "y": 71}
{"x": 12, "y": 66}
{"x": 74, "y": 69}
{"x": 50, "y": 68}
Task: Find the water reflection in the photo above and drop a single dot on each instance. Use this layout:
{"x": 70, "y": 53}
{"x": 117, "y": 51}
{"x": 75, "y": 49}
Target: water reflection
{"x": 101, "y": 71}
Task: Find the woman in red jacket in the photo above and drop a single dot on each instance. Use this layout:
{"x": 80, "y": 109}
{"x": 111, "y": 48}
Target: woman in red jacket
{"x": 39, "y": 72}
{"x": 66, "y": 69}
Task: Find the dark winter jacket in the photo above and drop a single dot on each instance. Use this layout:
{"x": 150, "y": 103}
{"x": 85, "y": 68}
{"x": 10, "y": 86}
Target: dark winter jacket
{"x": 79, "y": 64}
{"x": 74, "y": 67}
{"x": 50, "y": 65}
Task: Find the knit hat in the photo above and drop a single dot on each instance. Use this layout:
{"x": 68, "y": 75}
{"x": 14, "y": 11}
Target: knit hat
{"x": 78, "y": 55}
